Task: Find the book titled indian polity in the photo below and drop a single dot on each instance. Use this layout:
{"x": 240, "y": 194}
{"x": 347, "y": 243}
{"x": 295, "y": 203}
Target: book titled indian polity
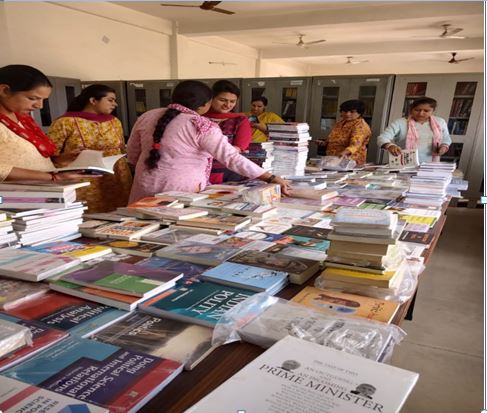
{"x": 298, "y": 376}
{"x": 199, "y": 303}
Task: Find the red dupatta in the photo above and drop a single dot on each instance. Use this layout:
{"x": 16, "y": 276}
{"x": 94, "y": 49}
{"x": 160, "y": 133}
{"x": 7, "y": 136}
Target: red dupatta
{"x": 30, "y": 132}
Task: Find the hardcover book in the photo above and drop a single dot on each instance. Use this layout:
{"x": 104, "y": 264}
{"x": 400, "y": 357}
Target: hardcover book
{"x": 171, "y": 339}
{"x": 15, "y": 396}
{"x": 297, "y": 376}
{"x": 124, "y": 278}
{"x": 73, "y": 315}
{"x": 199, "y": 303}
{"x": 248, "y": 277}
{"x": 43, "y": 337}
{"x": 299, "y": 269}
{"x": 334, "y": 302}
{"x": 103, "y": 374}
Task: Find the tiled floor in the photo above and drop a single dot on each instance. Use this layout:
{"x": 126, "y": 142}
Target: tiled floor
{"x": 445, "y": 339}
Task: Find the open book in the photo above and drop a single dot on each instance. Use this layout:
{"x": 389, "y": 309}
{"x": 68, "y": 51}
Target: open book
{"x": 93, "y": 162}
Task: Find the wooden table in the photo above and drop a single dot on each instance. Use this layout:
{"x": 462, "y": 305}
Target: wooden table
{"x": 191, "y": 386}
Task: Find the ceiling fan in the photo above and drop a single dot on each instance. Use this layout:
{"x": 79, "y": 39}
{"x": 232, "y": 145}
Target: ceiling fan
{"x": 206, "y": 5}
{"x": 456, "y": 61}
{"x": 350, "y": 61}
{"x": 450, "y": 33}
{"x": 301, "y": 43}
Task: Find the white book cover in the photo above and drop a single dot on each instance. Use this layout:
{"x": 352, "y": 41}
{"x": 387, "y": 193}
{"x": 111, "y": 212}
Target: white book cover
{"x": 407, "y": 157}
{"x": 16, "y": 397}
{"x": 89, "y": 160}
{"x": 298, "y": 376}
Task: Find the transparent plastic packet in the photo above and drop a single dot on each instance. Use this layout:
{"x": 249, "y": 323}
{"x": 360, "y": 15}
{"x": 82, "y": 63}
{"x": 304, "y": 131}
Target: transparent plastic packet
{"x": 263, "y": 320}
{"x": 337, "y": 163}
{"x": 13, "y": 336}
{"x": 401, "y": 290}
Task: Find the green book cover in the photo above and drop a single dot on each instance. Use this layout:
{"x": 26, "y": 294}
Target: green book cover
{"x": 201, "y": 303}
{"x": 128, "y": 283}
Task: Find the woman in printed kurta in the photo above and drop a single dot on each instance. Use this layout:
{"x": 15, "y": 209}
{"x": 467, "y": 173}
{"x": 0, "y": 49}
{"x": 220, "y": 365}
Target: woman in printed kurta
{"x": 88, "y": 124}
{"x": 259, "y": 118}
{"x": 235, "y": 126}
{"x": 173, "y": 148}
{"x": 350, "y": 135}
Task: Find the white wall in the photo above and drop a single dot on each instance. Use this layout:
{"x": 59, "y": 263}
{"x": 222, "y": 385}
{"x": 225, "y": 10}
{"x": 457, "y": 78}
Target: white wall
{"x": 234, "y": 59}
{"x": 272, "y": 68}
{"x": 62, "y": 41}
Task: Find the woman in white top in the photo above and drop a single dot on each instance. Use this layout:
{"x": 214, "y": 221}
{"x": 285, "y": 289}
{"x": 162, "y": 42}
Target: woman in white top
{"x": 420, "y": 130}
{"x": 26, "y": 151}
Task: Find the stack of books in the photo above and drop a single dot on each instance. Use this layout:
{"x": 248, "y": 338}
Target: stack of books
{"x": 38, "y": 226}
{"x": 261, "y": 154}
{"x": 290, "y": 147}
{"x": 363, "y": 248}
{"x": 8, "y": 238}
{"x": 17, "y": 195}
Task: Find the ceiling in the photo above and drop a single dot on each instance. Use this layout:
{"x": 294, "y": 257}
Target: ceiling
{"x": 373, "y": 31}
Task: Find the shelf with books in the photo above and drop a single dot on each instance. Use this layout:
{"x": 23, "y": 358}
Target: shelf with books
{"x": 414, "y": 90}
{"x": 461, "y": 107}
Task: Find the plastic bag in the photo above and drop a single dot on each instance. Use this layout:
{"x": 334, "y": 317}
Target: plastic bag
{"x": 336, "y": 163}
{"x": 401, "y": 290}
{"x": 263, "y": 320}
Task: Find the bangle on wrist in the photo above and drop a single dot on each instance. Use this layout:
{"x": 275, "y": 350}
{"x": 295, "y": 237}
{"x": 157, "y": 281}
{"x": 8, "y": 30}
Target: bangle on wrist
{"x": 270, "y": 179}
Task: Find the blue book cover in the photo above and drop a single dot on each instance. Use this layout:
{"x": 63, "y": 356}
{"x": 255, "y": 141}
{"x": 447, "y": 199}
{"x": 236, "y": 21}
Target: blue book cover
{"x": 103, "y": 374}
{"x": 191, "y": 271}
{"x": 63, "y": 312}
{"x": 245, "y": 276}
{"x": 200, "y": 303}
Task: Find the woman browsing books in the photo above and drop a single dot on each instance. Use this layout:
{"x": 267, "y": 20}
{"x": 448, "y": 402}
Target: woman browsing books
{"x": 173, "y": 148}
{"x": 420, "y": 130}
{"x": 27, "y": 153}
{"x": 259, "y": 118}
{"x": 235, "y": 126}
{"x": 89, "y": 124}
{"x": 350, "y": 136}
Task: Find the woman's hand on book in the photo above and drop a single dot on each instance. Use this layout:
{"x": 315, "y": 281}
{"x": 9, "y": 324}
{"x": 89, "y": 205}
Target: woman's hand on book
{"x": 73, "y": 176}
{"x": 285, "y": 187}
{"x": 64, "y": 159}
{"x": 393, "y": 149}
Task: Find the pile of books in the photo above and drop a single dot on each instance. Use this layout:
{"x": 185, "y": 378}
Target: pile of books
{"x": 363, "y": 249}
{"x": 8, "y": 238}
{"x": 290, "y": 147}
{"x": 261, "y": 154}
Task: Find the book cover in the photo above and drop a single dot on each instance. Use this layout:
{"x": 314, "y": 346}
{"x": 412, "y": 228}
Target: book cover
{"x": 199, "y": 303}
{"x": 197, "y": 252}
{"x": 13, "y": 336}
{"x": 127, "y": 229}
{"x": 103, "y": 374}
{"x": 32, "y": 266}
{"x": 167, "y": 236}
{"x": 348, "y": 201}
{"x": 310, "y": 232}
{"x": 90, "y": 160}
{"x": 299, "y": 269}
{"x": 160, "y": 337}
{"x": 304, "y": 242}
{"x": 152, "y": 201}
{"x": 16, "y": 397}
{"x": 359, "y": 277}
{"x": 143, "y": 249}
{"x": 375, "y": 218}
{"x": 298, "y": 376}
{"x": 43, "y": 337}
{"x": 170, "y": 213}
{"x": 245, "y": 276}
{"x": 219, "y": 221}
{"x": 124, "y": 278}
{"x": 191, "y": 271}
{"x": 72, "y": 249}
{"x": 14, "y": 292}
{"x": 424, "y": 238}
{"x": 334, "y": 302}
{"x": 63, "y": 312}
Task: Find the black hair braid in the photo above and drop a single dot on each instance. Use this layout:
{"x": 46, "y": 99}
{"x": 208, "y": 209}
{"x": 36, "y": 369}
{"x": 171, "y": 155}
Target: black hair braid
{"x": 162, "y": 123}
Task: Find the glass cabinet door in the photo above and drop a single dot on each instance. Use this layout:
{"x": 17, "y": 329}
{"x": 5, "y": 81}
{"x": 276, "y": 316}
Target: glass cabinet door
{"x": 329, "y": 109}
{"x": 140, "y": 101}
{"x": 367, "y": 95}
{"x": 414, "y": 90}
{"x": 289, "y": 102}
{"x": 164, "y": 97}
{"x": 461, "y": 107}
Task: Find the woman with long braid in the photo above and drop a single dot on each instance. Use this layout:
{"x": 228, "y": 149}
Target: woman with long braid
{"x": 173, "y": 148}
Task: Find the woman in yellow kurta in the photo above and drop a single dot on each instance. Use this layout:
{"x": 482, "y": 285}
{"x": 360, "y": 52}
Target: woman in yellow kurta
{"x": 259, "y": 119}
{"x": 350, "y": 136}
{"x": 88, "y": 124}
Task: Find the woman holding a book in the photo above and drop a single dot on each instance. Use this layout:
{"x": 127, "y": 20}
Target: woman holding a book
{"x": 420, "y": 130}
{"x": 259, "y": 118}
{"x": 89, "y": 124}
{"x": 235, "y": 126}
{"x": 27, "y": 153}
{"x": 173, "y": 148}
{"x": 350, "y": 136}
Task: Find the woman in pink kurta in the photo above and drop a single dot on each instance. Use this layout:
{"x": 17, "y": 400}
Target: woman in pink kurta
{"x": 173, "y": 148}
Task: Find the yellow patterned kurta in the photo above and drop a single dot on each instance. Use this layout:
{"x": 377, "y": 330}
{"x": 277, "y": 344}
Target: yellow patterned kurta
{"x": 74, "y": 134}
{"x": 352, "y": 135}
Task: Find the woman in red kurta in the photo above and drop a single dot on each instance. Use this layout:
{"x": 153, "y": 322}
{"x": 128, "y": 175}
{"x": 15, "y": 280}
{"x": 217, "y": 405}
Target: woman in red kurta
{"x": 350, "y": 135}
{"x": 235, "y": 126}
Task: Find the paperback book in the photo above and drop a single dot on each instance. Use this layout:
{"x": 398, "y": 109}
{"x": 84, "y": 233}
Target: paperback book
{"x": 297, "y": 376}
{"x": 14, "y": 292}
{"x": 142, "y": 249}
{"x": 199, "y": 303}
{"x": 191, "y": 271}
{"x": 118, "y": 379}
{"x": 161, "y": 337}
{"x": 83, "y": 252}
